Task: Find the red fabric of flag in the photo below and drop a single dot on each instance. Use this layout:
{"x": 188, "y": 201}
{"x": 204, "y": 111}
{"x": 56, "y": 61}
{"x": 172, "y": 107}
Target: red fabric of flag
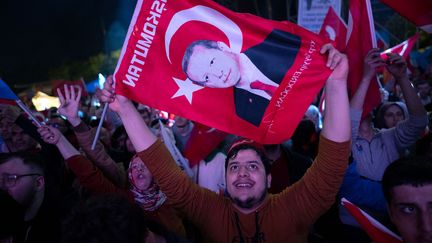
{"x": 334, "y": 28}
{"x": 418, "y": 12}
{"x": 378, "y": 232}
{"x": 210, "y": 81}
{"x": 202, "y": 142}
{"x": 361, "y": 38}
{"x": 402, "y": 49}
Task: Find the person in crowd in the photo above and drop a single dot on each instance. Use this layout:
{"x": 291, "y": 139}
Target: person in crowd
{"x": 248, "y": 212}
{"x": 424, "y": 90}
{"x": 5, "y": 134}
{"x": 111, "y": 218}
{"x": 407, "y": 186}
{"x": 103, "y": 175}
{"x": 182, "y": 130}
{"x": 22, "y": 176}
{"x": 374, "y": 150}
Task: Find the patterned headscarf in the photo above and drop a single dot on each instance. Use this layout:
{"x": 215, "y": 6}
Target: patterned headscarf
{"x": 149, "y": 199}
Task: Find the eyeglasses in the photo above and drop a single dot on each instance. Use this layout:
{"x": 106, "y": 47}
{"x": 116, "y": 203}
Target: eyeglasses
{"x": 7, "y": 180}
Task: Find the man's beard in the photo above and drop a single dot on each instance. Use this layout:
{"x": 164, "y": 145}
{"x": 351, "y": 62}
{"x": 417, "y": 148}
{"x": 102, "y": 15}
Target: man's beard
{"x": 251, "y": 201}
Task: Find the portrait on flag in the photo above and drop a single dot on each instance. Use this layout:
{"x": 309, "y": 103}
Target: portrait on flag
{"x": 235, "y": 72}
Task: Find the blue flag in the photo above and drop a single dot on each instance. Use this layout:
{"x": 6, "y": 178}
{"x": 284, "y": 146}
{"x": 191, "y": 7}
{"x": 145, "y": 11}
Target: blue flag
{"x": 6, "y": 93}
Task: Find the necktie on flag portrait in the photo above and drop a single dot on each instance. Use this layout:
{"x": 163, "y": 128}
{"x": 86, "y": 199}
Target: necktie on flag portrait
{"x": 150, "y": 67}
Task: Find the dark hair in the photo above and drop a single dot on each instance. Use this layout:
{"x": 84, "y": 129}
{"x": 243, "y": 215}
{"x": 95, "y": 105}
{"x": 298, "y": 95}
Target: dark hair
{"x": 209, "y": 44}
{"x": 244, "y": 146}
{"x": 415, "y": 171}
{"x": 33, "y": 160}
{"x": 107, "y": 218}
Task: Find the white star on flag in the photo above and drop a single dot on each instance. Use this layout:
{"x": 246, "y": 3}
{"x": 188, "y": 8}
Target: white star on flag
{"x": 186, "y": 88}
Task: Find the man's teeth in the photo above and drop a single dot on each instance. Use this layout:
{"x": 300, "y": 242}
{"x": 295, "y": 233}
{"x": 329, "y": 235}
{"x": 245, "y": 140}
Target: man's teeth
{"x": 244, "y": 185}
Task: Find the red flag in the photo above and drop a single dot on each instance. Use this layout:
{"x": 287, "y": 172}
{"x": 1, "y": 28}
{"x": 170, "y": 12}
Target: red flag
{"x": 418, "y": 12}
{"x": 378, "y": 232}
{"x": 202, "y": 142}
{"x": 403, "y": 49}
{"x": 59, "y": 84}
{"x": 238, "y": 49}
{"x": 361, "y": 38}
{"x": 334, "y": 28}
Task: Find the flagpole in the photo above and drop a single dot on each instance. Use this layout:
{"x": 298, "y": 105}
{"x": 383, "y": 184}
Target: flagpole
{"x": 96, "y": 138}
{"x": 28, "y": 112}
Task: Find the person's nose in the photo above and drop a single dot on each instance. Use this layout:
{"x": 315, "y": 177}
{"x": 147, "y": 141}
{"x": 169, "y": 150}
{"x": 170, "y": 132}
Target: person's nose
{"x": 425, "y": 221}
{"x": 243, "y": 172}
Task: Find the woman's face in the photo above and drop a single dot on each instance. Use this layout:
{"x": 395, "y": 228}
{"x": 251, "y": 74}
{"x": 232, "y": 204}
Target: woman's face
{"x": 141, "y": 176}
{"x": 393, "y": 115}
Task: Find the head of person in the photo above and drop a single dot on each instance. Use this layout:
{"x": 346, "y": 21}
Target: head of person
{"x": 139, "y": 175}
{"x": 22, "y": 176}
{"x": 423, "y": 88}
{"x": 211, "y": 64}
{"x": 120, "y": 140}
{"x": 108, "y": 218}
{"x": 21, "y": 141}
{"x": 182, "y": 126}
{"x": 407, "y": 187}
{"x": 390, "y": 114}
{"x": 58, "y": 122}
{"x": 5, "y": 126}
{"x": 247, "y": 174}
{"x": 145, "y": 113}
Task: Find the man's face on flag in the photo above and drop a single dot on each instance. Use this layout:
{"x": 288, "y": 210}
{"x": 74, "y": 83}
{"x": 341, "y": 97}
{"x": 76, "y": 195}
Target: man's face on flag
{"x": 215, "y": 67}
{"x": 246, "y": 179}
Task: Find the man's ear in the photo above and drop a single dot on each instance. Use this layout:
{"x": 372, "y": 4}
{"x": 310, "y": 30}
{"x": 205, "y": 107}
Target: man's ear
{"x": 40, "y": 183}
{"x": 223, "y": 47}
{"x": 269, "y": 178}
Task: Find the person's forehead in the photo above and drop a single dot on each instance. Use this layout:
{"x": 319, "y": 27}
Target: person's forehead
{"x": 16, "y": 129}
{"x": 412, "y": 194}
{"x": 14, "y": 166}
{"x": 394, "y": 108}
{"x": 246, "y": 156}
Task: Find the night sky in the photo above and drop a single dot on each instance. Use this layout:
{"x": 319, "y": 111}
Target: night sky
{"x": 40, "y": 35}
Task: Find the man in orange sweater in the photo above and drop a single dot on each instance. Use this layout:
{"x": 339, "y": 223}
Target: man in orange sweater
{"x": 249, "y": 213}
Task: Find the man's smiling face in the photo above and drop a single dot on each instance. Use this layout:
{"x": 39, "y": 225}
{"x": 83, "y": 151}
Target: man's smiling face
{"x": 246, "y": 179}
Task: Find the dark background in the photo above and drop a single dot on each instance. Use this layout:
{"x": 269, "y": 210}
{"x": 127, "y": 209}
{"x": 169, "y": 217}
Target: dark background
{"x": 69, "y": 39}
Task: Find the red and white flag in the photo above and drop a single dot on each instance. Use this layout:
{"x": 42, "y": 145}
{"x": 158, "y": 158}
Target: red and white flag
{"x": 418, "y": 12}
{"x": 361, "y": 38}
{"x": 403, "y": 49}
{"x": 376, "y": 231}
{"x": 211, "y": 82}
{"x": 203, "y": 140}
{"x": 334, "y": 28}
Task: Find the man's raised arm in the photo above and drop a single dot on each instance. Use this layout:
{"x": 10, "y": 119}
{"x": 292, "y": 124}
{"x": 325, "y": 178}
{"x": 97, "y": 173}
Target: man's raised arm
{"x": 337, "y": 125}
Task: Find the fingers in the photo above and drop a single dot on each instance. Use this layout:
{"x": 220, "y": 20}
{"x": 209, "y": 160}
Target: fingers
{"x": 78, "y": 97}
{"x": 326, "y": 47}
{"x": 60, "y": 95}
{"x": 67, "y": 93}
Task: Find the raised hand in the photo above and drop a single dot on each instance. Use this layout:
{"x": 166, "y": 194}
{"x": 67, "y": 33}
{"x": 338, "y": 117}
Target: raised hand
{"x": 69, "y": 104}
{"x": 337, "y": 62}
{"x": 49, "y": 134}
{"x": 371, "y": 62}
{"x": 115, "y": 101}
{"x": 397, "y": 66}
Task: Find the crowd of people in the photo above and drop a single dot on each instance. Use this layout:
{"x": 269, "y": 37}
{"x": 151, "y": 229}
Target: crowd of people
{"x": 55, "y": 188}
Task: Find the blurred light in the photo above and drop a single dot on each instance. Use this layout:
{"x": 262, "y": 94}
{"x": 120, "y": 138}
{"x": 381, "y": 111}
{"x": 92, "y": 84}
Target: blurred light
{"x": 101, "y": 80}
{"x": 42, "y": 101}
